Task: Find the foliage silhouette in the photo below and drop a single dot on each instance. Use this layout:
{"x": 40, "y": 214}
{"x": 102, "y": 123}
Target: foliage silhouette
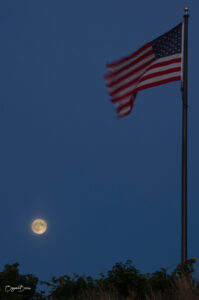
{"x": 123, "y": 281}
{"x": 10, "y": 278}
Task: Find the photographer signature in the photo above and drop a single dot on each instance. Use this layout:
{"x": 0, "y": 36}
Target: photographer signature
{"x": 19, "y": 288}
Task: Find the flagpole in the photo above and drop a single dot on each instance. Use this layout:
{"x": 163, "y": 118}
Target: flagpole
{"x": 184, "y": 140}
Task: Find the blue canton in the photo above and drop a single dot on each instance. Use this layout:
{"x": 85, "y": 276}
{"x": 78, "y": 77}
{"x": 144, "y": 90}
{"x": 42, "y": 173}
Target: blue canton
{"x": 169, "y": 43}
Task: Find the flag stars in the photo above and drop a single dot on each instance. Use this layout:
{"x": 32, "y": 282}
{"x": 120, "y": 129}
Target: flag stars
{"x": 169, "y": 43}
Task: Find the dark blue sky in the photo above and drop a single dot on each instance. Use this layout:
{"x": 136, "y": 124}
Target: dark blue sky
{"x": 109, "y": 189}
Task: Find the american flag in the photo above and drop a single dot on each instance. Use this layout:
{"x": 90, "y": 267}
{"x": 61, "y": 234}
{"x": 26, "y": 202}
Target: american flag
{"x": 156, "y": 63}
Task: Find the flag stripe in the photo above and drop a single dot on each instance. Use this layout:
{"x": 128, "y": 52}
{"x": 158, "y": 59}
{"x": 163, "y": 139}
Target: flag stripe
{"x": 125, "y": 109}
{"x": 124, "y": 112}
{"x": 121, "y": 97}
{"x": 149, "y": 72}
{"x": 131, "y": 60}
{"x": 155, "y": 68}
{"x": 120, "y": 61}
{"x": 170, "y": 72}
{"x": 163, "y": 65}
{"x": 167, "y": 60}
{"x": 158, "y": 78}
{"x": 128, "y": 79}
{"x": 152, "y": 84}
{"x": 128, "y": 91}
{"x": 123, "y": 87}
{"x": 131, "y": 73}
{"x": 124, "y": 101}
{"x": 132, "y": 66}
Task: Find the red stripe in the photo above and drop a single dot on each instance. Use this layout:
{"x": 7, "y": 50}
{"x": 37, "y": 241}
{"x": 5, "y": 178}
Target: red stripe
{"x": 119, "y": 61}
{"x": 128, "y": 74}
{"x": 144, "y": 78}
{"x": 123, "y": 87}
{"x": 156, "y": 65}
{"x": 165, "y": 63}
{"x": 146, "y": 86}
{"x": 117, "y": 99}
{"x": 130, "y": 104}
{"x": 124, "y": 114}
{"x": 122, "y": 106}
{"x": 123, "y": 96}
{"x": 156, "y": 74}
{"x": 112, "y": 74}
{"x": 177, "y": 78}
{"x": 128, "y": 84}
{"x": 147, "y": 76}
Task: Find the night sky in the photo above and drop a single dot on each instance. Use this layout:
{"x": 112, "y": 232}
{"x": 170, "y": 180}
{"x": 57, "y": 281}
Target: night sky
{"x": 109, "y": 189}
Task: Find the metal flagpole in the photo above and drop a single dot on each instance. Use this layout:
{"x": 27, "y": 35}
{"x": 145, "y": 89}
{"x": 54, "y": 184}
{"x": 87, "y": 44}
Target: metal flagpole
{"x": 184, "y": 140}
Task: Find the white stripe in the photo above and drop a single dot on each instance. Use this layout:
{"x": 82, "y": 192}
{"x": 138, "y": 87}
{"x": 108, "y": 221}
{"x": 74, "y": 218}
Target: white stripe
{"x": 145, "y": 72}
{"x": 123, "y": 101}
{"x": 121, "y": 65}
{"x": 163, "y": 59}
{"x": 147, "y": 59}
{"x": 163, "y": 68}
{"x": 124, "y": 110}
{"x": 127, "y": 90}
{"x": 159, "y": 78}
{"x": 132, "y": 77}
{"x": 167, "y": 58}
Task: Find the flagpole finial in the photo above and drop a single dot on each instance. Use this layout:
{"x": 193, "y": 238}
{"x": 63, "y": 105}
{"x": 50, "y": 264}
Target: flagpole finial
{"x": 186, "y": 10}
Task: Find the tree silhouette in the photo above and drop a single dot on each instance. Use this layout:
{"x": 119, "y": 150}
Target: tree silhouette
{"x": 123, "y": 281}
{"x": 12, "y": 284}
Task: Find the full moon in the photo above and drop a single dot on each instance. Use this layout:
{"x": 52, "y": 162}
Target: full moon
{"x": 39, "y": 226}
